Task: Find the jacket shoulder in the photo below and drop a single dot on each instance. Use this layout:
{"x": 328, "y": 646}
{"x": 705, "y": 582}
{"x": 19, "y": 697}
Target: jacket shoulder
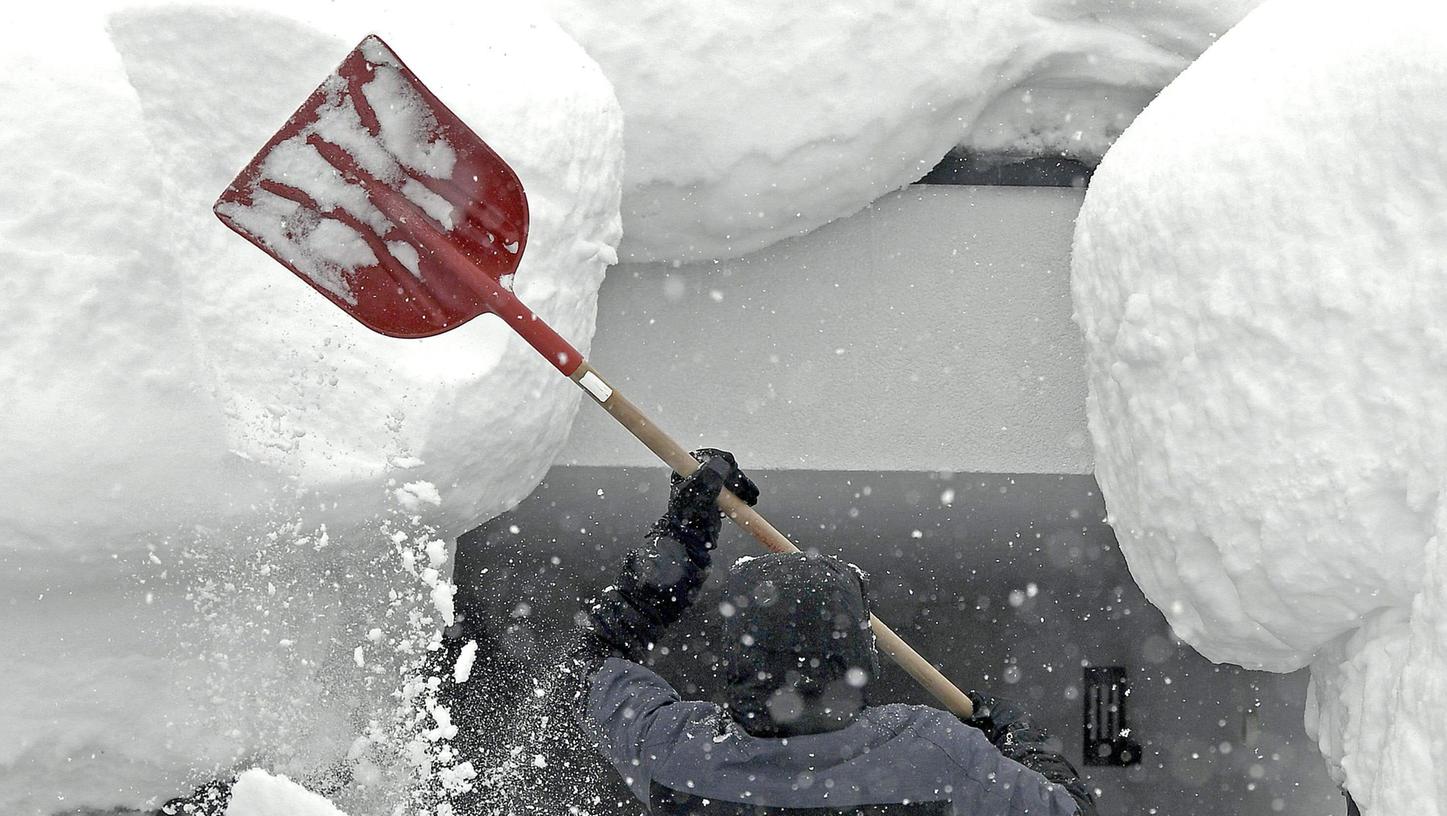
{"x": 961, "y": 743}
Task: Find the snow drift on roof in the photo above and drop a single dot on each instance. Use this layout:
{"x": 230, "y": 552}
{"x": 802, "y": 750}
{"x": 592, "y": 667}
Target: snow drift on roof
{"x": 751, "y": 122}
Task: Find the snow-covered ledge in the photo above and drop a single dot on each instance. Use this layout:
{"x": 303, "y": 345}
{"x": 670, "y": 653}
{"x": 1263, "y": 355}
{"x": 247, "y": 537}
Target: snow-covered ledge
{"x": 931, "y": 331}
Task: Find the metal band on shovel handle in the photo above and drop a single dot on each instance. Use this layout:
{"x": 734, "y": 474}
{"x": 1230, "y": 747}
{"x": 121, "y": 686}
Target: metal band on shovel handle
{"x": 384, "y": 201}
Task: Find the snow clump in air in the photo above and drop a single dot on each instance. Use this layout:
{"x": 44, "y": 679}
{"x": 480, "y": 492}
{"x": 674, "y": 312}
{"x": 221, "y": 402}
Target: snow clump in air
{"x": 1260, "y": 271}
{"x": 174, "y": 397}
{"x": 751, "y": 122}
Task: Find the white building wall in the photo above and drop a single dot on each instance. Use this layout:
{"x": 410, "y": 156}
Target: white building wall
{"x": 930, "y": 332}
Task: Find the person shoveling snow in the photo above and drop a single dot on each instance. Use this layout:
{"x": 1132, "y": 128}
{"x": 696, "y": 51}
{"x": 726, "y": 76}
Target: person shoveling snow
{"x": 797, "y": 731}
{"x": 390, "y": 206}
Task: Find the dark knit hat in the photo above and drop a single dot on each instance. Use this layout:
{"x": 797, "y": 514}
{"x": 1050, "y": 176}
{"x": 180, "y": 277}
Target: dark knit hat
{"x": 797, "y": 647}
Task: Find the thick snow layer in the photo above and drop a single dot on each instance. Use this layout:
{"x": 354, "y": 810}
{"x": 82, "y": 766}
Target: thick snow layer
{"x": 160, "y": 367}
{"x": 258, "y": 793}
{"x": 1375, "y": 701}
{"x": 1260, "y": 270}
{"x": 303, "y": 389}
{"x": 106, "y": 421}
{"x": 750, "y": 122}
{"x": 173, "y": 397}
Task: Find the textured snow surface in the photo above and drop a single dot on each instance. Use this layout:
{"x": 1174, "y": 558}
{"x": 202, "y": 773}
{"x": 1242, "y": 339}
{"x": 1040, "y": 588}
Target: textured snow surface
{"x": 258, "y": 793}
{"x": 174, "y": 397}
{"x": 1375, "y": 701}
{"x": 749, "y": 122}
{"x": 306, "y": 391}
{"x": 407, "y": 150}
{"x": 160, "y": 367}
{"x": 1260, "y": 270}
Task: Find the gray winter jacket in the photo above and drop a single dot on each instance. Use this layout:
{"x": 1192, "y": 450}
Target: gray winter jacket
{"x": 681, "y": 757}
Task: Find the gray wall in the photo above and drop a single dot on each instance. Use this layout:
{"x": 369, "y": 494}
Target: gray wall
{"x": 930, "y": 332}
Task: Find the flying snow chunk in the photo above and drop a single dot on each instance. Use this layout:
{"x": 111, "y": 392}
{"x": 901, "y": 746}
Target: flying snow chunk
{"x": 415, "y": 495}
{"x": 1260, "y": 272}
{"x": 462, "y": 669}
{"x": 258, "y": 793}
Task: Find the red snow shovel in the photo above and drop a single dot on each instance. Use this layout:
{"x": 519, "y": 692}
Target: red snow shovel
{"x": 389, "y": 205}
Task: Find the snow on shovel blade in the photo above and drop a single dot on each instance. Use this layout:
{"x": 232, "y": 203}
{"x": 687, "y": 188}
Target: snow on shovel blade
{"x": 383, "y": 200}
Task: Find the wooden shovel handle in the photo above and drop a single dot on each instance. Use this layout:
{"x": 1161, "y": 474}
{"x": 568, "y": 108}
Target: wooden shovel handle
{"x": 676, "y": 457}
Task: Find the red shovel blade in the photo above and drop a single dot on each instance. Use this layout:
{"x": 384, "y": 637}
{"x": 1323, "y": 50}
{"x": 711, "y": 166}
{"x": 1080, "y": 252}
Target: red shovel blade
{"x": 384, "y": 201}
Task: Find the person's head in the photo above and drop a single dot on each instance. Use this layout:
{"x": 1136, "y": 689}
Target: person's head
{"x": 797, "y": 648}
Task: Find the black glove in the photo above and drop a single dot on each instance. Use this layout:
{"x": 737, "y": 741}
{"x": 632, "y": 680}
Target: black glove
{"x": 693, "y": 516}
{"x": 993, "y": 716}
{"x": 1009, "y": 729}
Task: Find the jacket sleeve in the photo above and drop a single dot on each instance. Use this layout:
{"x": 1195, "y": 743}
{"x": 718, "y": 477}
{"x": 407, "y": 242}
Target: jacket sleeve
{"x": 617, "y": 701}
{"x": 1010, "y": 730}
{"x": 636, "y": 718}
{"x": 662, "y": 578}
{"x": 659, "y": 580}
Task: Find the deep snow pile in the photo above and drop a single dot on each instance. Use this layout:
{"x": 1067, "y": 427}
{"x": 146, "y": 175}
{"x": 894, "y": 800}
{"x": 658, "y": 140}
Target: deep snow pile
{"x": 181, "y": 415}
{"x": 750, "y": 122}
{"x": 174, "y": 358}
{"x": 1260, "y": 270}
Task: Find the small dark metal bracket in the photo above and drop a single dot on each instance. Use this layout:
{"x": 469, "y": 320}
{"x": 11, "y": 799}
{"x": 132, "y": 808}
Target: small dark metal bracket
{"x": 1107, "y": 731}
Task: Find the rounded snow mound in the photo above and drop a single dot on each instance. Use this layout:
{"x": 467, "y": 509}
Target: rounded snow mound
{"x": 752, "y": 122}
{"x": 1260, "y": 271}
{"x": 175, "y": 402}
{"x": 161, "y": 370}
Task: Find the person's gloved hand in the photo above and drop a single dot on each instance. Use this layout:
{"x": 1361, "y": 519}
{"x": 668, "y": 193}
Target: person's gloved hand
{"x": 693, "y": 515}
{"x": 663, "y": 576}
{"x": 1009, "y": 728}
{"x": 984, "y": 717}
